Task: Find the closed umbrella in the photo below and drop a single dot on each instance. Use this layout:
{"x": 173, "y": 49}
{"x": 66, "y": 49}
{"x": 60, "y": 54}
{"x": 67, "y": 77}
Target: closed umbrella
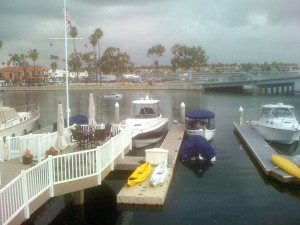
{"x": 61, "y": 141}
{"x": 92, "y": 121}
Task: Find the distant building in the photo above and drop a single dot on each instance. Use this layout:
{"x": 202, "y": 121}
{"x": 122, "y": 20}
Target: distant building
{"x": 108, "y": 78}
{"x": 20, "y": 74}
{"x": 58, "y": 74}
{"x": 132, "y": 78}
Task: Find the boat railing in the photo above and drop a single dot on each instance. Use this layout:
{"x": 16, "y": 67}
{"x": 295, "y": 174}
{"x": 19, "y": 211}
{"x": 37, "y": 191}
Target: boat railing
{"x": 16, "y": 196}
{"x": 28, "y": 108}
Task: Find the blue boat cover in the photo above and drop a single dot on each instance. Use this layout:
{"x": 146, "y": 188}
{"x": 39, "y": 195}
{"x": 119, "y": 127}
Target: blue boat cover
{"x": 196, "y": 145}
{"x": 200, "y": 114}
{"x": 78, "y": 119}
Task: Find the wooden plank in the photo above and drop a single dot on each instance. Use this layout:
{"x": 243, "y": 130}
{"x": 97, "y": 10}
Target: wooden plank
{"x": 145, "y": 193}
{"x": 173, "y": 141}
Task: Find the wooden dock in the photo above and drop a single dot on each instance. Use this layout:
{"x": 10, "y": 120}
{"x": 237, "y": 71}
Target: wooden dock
{"x": 262, "y": 152}
{"x": 145, "y": 193}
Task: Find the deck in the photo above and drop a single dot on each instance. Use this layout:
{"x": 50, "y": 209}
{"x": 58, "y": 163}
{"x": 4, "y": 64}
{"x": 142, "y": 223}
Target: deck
{"x": 262, "y": 152}
{"x": 145, "y": 193}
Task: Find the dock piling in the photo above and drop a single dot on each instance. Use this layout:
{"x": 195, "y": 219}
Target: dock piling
{"x": 182, "y": 112}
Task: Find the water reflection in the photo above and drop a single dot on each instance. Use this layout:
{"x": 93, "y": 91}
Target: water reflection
{"x": 199, "y": 167}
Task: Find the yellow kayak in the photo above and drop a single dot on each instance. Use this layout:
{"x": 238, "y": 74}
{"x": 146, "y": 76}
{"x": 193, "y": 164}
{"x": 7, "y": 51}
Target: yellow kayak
{"x": 286, "y": 165}
{"x": 140, "y": 174}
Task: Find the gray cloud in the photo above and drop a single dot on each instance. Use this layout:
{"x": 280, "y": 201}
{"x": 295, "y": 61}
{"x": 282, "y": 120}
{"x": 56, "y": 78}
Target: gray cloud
{"x": 229, "y": 31}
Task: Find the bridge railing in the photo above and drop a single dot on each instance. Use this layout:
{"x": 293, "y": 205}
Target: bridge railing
{"x": 31, "y": 183}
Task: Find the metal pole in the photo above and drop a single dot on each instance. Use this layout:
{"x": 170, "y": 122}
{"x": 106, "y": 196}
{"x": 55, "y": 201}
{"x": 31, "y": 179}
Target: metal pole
{"x": 66, "y": 59}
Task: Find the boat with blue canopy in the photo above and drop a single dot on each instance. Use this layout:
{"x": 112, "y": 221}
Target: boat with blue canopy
{"x": 200, "y": 122}
{"x": 196, "y": 146}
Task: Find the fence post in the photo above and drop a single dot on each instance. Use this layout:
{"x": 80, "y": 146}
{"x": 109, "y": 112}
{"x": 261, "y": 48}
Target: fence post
{"x": 25, "y": 194}
{"x": 123, "y": 143}
{"x": 112, "y": 148}
{"x": 98, "y": 164}
{"x": 50, "y": 168}
{"x": 38, "y": 149}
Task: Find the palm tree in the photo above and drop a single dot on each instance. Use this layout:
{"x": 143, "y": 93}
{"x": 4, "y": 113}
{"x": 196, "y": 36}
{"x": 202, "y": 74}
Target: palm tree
{"x": 33, "y": 55}
{"x": 14, "y": 58}
{"x": 98, "y": 33}
{"x": 54, "y": 58}
{"x": 74, "y": 33}
{"x": 93, "y": 40}
{"x": 23, "y": 62}
{"x": 1, "y": 44}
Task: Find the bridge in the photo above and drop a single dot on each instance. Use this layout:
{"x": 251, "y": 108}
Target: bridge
{"x": 278, "y": 81}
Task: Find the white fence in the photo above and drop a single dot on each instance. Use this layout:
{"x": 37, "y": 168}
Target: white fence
{"x": 31, "y": 183}
{"x": 38, "y": 144}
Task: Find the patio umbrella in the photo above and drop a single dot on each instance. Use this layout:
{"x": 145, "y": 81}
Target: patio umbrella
{"x": 92, "y": 121}
{"x": 61, "y": 141}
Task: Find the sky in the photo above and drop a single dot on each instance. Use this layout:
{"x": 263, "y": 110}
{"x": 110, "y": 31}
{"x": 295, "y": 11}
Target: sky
{"x": 230, "y": 31}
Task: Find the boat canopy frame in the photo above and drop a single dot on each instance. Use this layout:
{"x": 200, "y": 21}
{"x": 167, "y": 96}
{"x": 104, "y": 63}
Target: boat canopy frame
{"x": 199, "y": 119}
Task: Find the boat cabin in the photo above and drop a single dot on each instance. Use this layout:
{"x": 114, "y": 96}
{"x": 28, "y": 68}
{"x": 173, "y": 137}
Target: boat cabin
{"x": 145, "y": 108}
{"x": 277, "y": 111}
{"x": 199, "y": 119}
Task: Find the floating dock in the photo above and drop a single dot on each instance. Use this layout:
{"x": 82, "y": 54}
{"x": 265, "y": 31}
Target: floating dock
{"x": 145, "y": 193}
{"x": 262, "y": 152}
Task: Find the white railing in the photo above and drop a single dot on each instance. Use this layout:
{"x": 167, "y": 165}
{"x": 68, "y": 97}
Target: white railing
{"x": 38, "y": 144}
{"x": 31, "y": 183}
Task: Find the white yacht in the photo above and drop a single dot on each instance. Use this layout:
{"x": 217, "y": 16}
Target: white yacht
{"x": 18, "y": 121}
{"x": 277, "y": 123}
{"x": 147, "y": 125}
{"x": 200, "y": 122}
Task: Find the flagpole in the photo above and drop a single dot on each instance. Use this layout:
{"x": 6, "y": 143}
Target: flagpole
{"x": 66, "y": 59}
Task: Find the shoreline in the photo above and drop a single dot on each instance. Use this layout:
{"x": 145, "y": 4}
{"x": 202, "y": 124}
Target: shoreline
{"x": 104, "y": 86}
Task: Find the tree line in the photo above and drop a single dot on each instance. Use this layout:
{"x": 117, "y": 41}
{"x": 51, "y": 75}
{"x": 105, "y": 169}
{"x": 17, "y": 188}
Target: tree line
{"x": 113, "y": 60}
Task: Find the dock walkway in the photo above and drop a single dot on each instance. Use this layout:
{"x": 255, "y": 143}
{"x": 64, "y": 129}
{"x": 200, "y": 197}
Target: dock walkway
{"x": 145, "y": 193}
{"x": 262, "y": 152}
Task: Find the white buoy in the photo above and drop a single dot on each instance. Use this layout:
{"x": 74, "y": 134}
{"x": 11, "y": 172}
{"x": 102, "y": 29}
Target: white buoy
{"x": 182, "y": 113}
{"x": 241, "y": 115}
{"x": 117, "y": 114}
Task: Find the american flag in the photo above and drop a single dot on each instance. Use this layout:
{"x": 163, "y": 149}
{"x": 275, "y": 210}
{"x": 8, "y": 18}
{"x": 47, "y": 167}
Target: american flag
{"x": 68, "y": 19}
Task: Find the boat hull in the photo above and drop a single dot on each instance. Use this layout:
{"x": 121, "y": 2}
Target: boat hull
{"x": 208, "y": 134}
{"x": 283, "y": 136}
{"x": 150, "y": 136}
{"x": 22, "y": 128}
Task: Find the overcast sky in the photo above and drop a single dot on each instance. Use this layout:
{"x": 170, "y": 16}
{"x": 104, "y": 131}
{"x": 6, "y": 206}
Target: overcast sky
{"x": 228, "y": 30}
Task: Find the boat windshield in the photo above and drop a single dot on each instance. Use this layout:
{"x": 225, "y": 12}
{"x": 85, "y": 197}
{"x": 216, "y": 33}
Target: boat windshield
{"x": 277, "y": 113}
{"x": 283, "y": 113}
{"x": 145, "y": 110}
{"x": 196, "y": 124}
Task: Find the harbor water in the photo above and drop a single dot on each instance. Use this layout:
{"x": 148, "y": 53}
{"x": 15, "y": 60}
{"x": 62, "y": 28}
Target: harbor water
{"x": 233, "y": 190}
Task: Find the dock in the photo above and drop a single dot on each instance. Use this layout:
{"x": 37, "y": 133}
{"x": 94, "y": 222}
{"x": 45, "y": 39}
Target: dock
{"x": 145, "y": 193}
{"x": 262, "y": 152}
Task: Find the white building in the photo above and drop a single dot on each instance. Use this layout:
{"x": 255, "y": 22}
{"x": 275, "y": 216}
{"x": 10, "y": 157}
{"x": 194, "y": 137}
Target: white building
{"x": 62, "y": 73}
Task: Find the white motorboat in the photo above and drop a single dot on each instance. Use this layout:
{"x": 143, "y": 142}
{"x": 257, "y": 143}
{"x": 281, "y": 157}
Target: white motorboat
{"x": 200, "y": 122}
{"x": 277, "y": 123}
{"x": 159, "y": 174}
{"x": 113, "y": 96}
{"x": 18, "y": 121}
{"x": 147, "y": 125}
